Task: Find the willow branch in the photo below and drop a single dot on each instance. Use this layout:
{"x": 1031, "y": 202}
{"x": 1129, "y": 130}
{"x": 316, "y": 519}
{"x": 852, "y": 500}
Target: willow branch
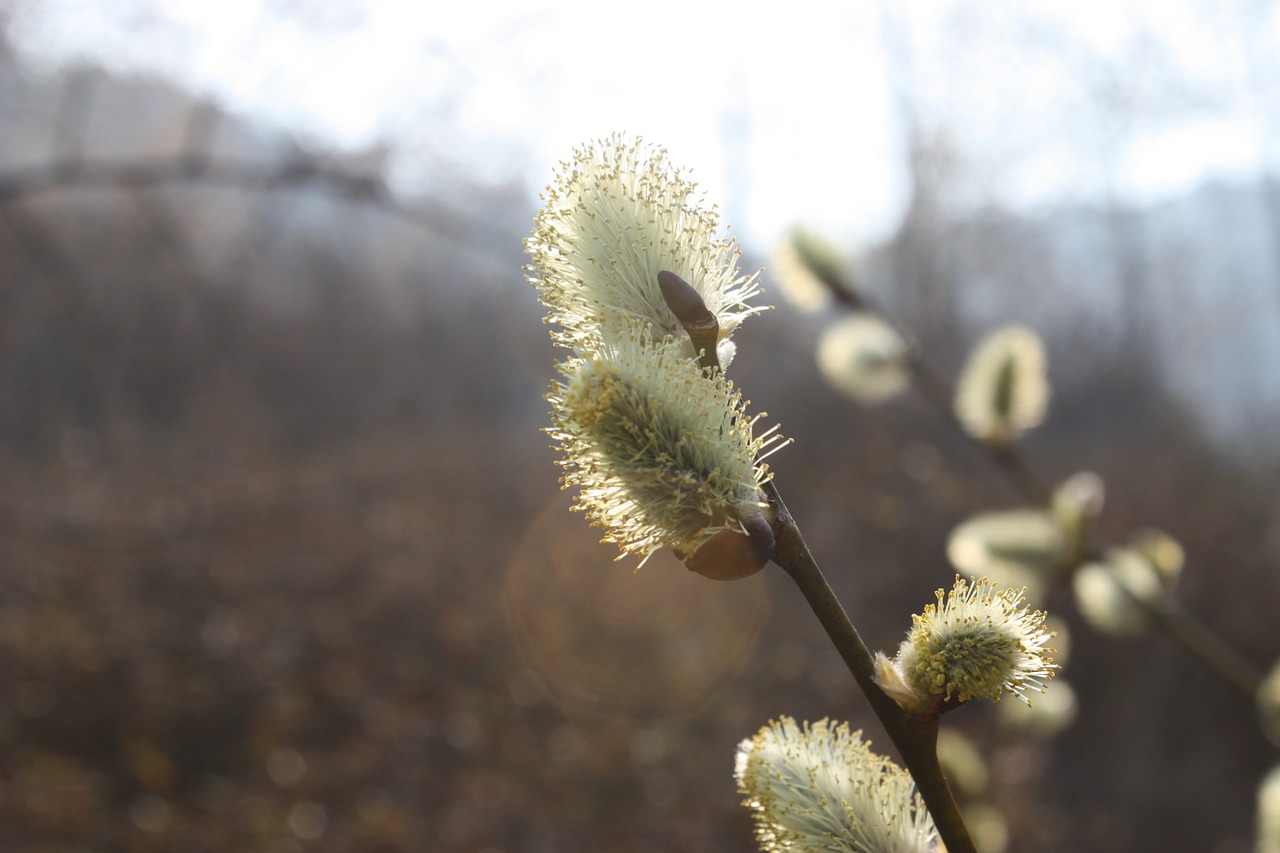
{"x": 915, "y": 736}
{"x": 1201, "y": 643}
{"x": 1167, "y": 614}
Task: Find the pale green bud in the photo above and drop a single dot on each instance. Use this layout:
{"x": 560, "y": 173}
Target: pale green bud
{"x": 808, "y": 269}
{"x": 1014, "y": 548}
{"x": 1075, "y": 504}
{"x": 1162, "y": 551}
{"x": 1269, "y": 813}
{"x": 864, "y": 357}
{"x": 987, "y": 827}
{"x": 1003, "y": 390}
{"x": 962, "y": 763}
{"x": 1111, "y": 594}
{"x": 1080, "y": 495}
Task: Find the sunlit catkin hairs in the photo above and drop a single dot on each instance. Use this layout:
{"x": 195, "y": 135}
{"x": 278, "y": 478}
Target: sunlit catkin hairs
{"x": 616, "y": 215}
{"x": 819, "y": 787}
{"x": 974, "y": 643}
{"x": 662, "y": 450}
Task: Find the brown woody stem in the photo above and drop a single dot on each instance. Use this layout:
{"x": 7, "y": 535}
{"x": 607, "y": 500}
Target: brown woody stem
{"x": 914, "y": 735}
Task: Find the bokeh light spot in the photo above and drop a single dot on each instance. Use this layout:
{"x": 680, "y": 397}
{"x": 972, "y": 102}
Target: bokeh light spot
{"x": 609, "y": 639}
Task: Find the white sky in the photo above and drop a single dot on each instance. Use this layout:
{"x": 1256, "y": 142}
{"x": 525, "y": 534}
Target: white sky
{"x": 785, "y": 114}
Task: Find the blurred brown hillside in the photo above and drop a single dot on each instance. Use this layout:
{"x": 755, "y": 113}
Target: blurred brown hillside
{"x": 284, "y": 565}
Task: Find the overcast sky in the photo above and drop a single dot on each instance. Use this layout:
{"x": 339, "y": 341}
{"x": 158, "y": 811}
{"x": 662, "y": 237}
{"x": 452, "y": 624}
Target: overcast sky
{"x": 797, "y": 113}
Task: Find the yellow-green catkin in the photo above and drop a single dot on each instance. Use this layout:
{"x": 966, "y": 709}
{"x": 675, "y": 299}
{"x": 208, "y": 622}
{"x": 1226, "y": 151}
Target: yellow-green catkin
{"x": 662, "y": 451}
{"x": 819, "y": 787}
{"x": 617, "y": 214}
{"x": 975, "y": 642}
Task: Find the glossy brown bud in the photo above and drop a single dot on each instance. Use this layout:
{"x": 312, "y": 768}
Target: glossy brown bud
{"x": 731, "y": 555}
{"x": 692, "y": 312}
